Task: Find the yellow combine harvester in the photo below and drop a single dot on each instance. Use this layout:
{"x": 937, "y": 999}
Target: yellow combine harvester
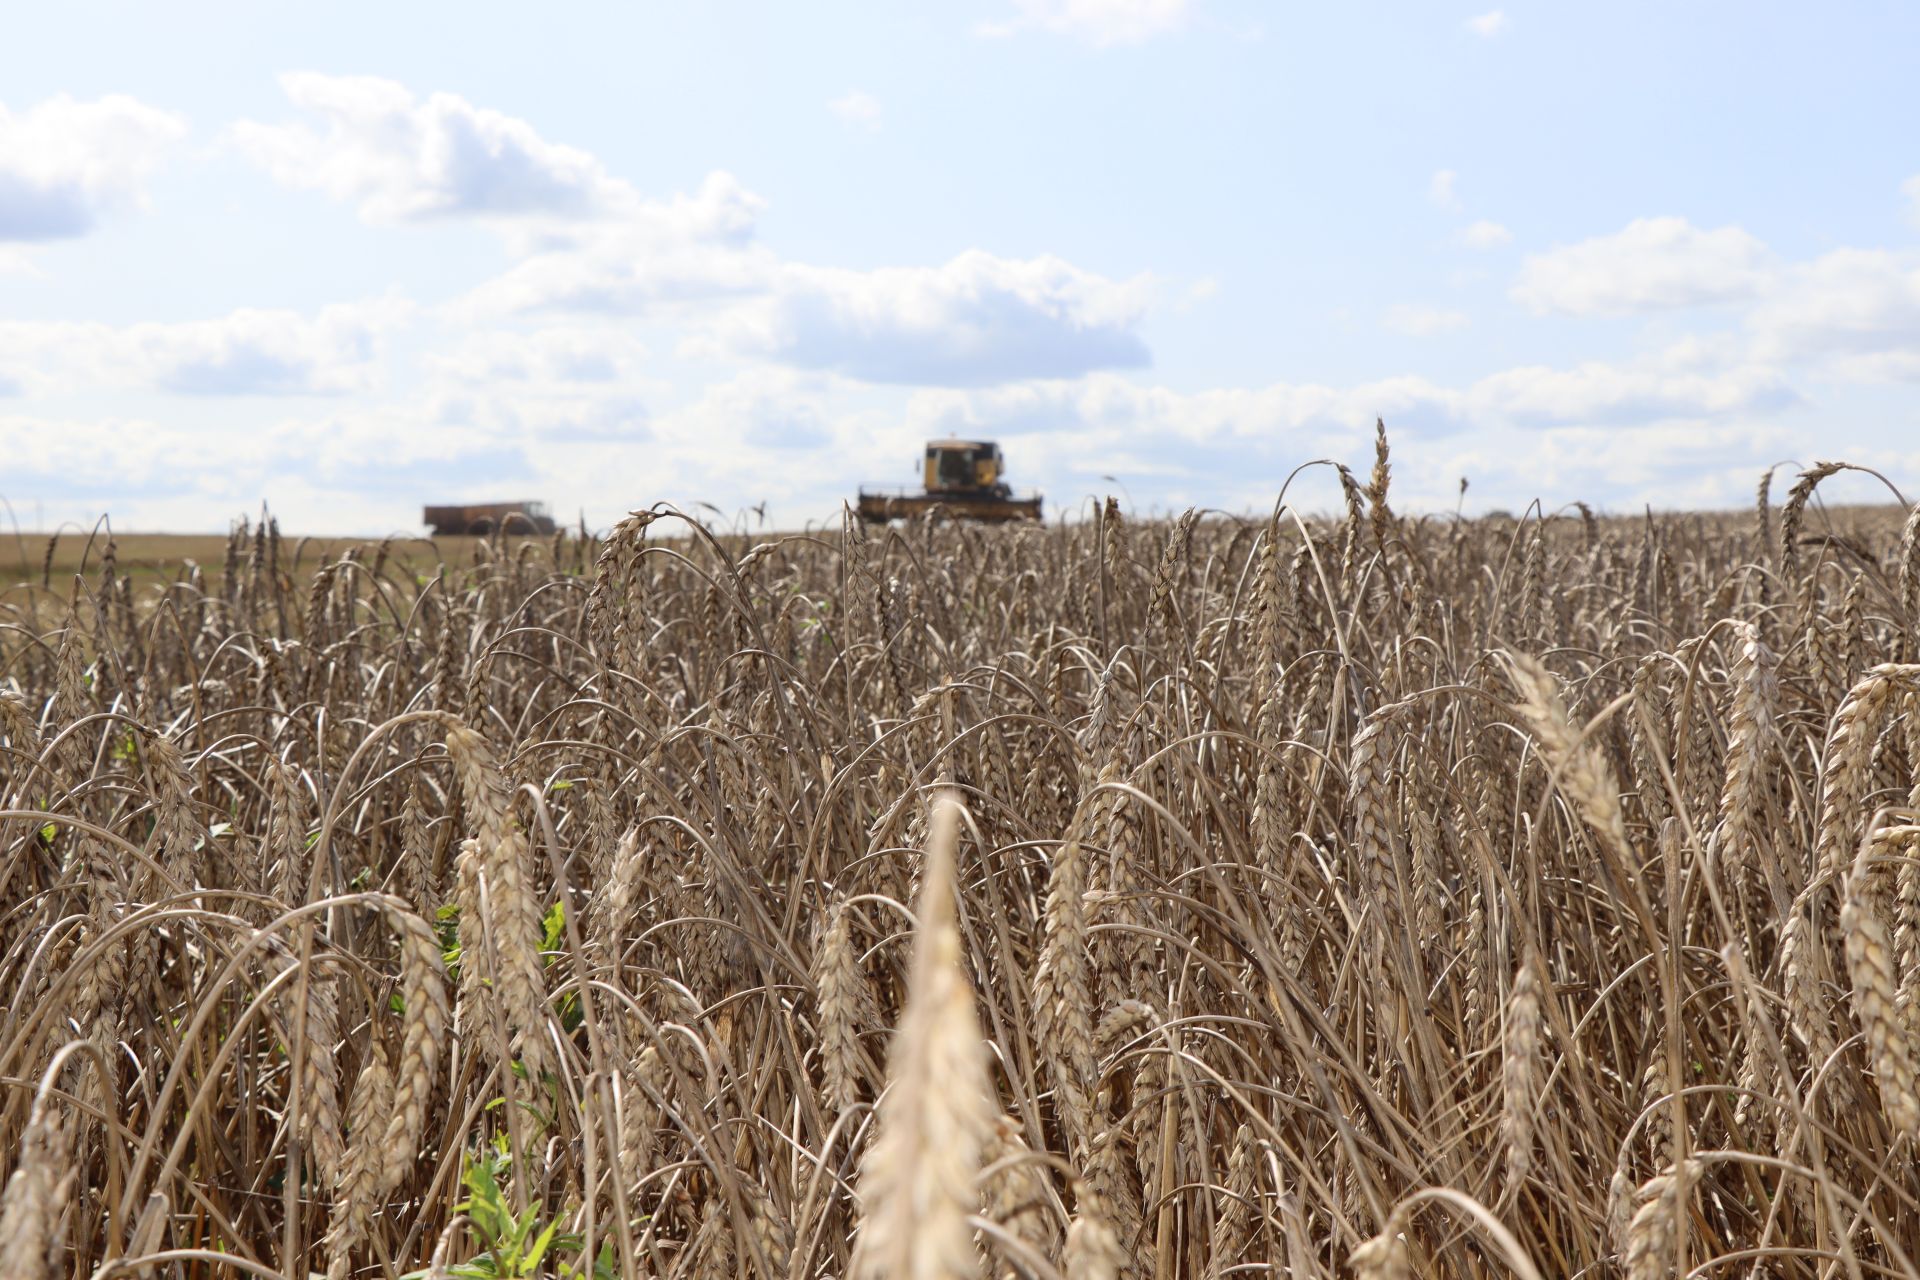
{"x": 965, "y": 480}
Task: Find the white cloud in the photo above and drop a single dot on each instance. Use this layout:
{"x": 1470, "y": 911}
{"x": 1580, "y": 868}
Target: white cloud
{"x": 59, "y": 458}
{"x": 1671, "y": 428}
{"x": 590, "y": 244}
{"x": 1691, "y": 466}
{"x": 1682, "y": 386}
{"x": 559, "y": 383}
{"x": 1652, "y": 430}
{"x": 760, "y": 409}
{"x": 1098, "y": 22}
{"x": 548, "y": 413}
{"x": 797, "y": 438}
{"x": 64, "y": 164}
{"x": 1485, "y": 234}
{"x": 1600, "y": 394}
{"x": 974, "y": 321}
{"x": 357, "y": 470}
{"x": 859, "y": 109}
{"x": 1440, "y": 189}
{"x": 406, "y": 160}
{"x": 1488, "y": 25}
{"x": 1652, "y": 264}
{"x": 802, "y": 441}
{"x": 1420, "y": 321}
{"x": 560, "y": 354}
{"x": 246, "y": 352}
{"x": 253, "y": 352}
{"x": 1159, "y": 422}
{"x": 659, "y": 253}
{"x": 1858, "y": 308}
{"x": 1911, "y": 190}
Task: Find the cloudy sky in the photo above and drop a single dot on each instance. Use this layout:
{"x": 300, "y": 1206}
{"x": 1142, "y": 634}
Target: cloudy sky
{"x": 351, "y": 258}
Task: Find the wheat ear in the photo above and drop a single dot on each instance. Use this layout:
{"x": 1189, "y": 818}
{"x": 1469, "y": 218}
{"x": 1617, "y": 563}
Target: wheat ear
{"x": 917, "y": 1182}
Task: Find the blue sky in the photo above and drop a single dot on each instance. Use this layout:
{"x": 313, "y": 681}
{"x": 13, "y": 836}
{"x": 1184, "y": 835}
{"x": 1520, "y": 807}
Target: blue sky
{"x": 350, "y": 259}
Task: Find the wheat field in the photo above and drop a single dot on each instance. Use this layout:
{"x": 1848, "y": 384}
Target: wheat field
{"x": 1299, "y": 896}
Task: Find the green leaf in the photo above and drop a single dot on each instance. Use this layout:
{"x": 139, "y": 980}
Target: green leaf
{"x": 538, "y": 1249}
{"x": 513, "y": 1246}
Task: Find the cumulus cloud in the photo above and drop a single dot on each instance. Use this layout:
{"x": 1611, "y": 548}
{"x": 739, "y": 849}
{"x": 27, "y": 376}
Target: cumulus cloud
{"x": 1098, "y": 22}
{"x": 1707, "y": 465}
{"x": 553, "y": 427}
{"x": 402, "y": 159}
{"x": 690, "y": 248}
{"x": 254, "y": 352}
{"x": 1230, "y": 447}
{"x": 1485, "y": 234}
{"x": 1420, "y": 321}
{"x": 59, "y": 458}
{"x": 589, "y": 244}
{"x": 798, "y": 439}
{"x": 246, "y": 352}
{"x": 1652, "y": 264}
{"x": 1859, "y": 307}
{"x": 1159, "y": 421}
{"x": 559, "y": 383}
{"x": 1671, "y": 427}
{"x": 975, "y": 321}
{"x": 862, "y": 110}
{"x": 64, "y": 164}
{"x": 547, "y": 412}
{"x": 1684, "y": 386}
{"x": 560, "y": 354}
{"x": 1488, "y": 25}
{"x": 1595, "y": 393}
{"x": 762, "y": 409}
{"x": 358, "y": 470}
{"x": 1441, "y": 189}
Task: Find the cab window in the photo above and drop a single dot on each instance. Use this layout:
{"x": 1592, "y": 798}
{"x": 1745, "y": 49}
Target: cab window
{"x": 955, "y": 469}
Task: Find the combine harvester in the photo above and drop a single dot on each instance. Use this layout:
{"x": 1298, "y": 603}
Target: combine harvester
{"x": 965, "y": 480}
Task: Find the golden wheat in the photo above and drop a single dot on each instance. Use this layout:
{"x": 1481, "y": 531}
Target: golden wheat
{"x": 1373, "y": 894}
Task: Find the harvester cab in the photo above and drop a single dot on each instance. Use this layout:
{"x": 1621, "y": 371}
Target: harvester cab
{"x": 965, "y": 479}
{"x": 966, "y": 466}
